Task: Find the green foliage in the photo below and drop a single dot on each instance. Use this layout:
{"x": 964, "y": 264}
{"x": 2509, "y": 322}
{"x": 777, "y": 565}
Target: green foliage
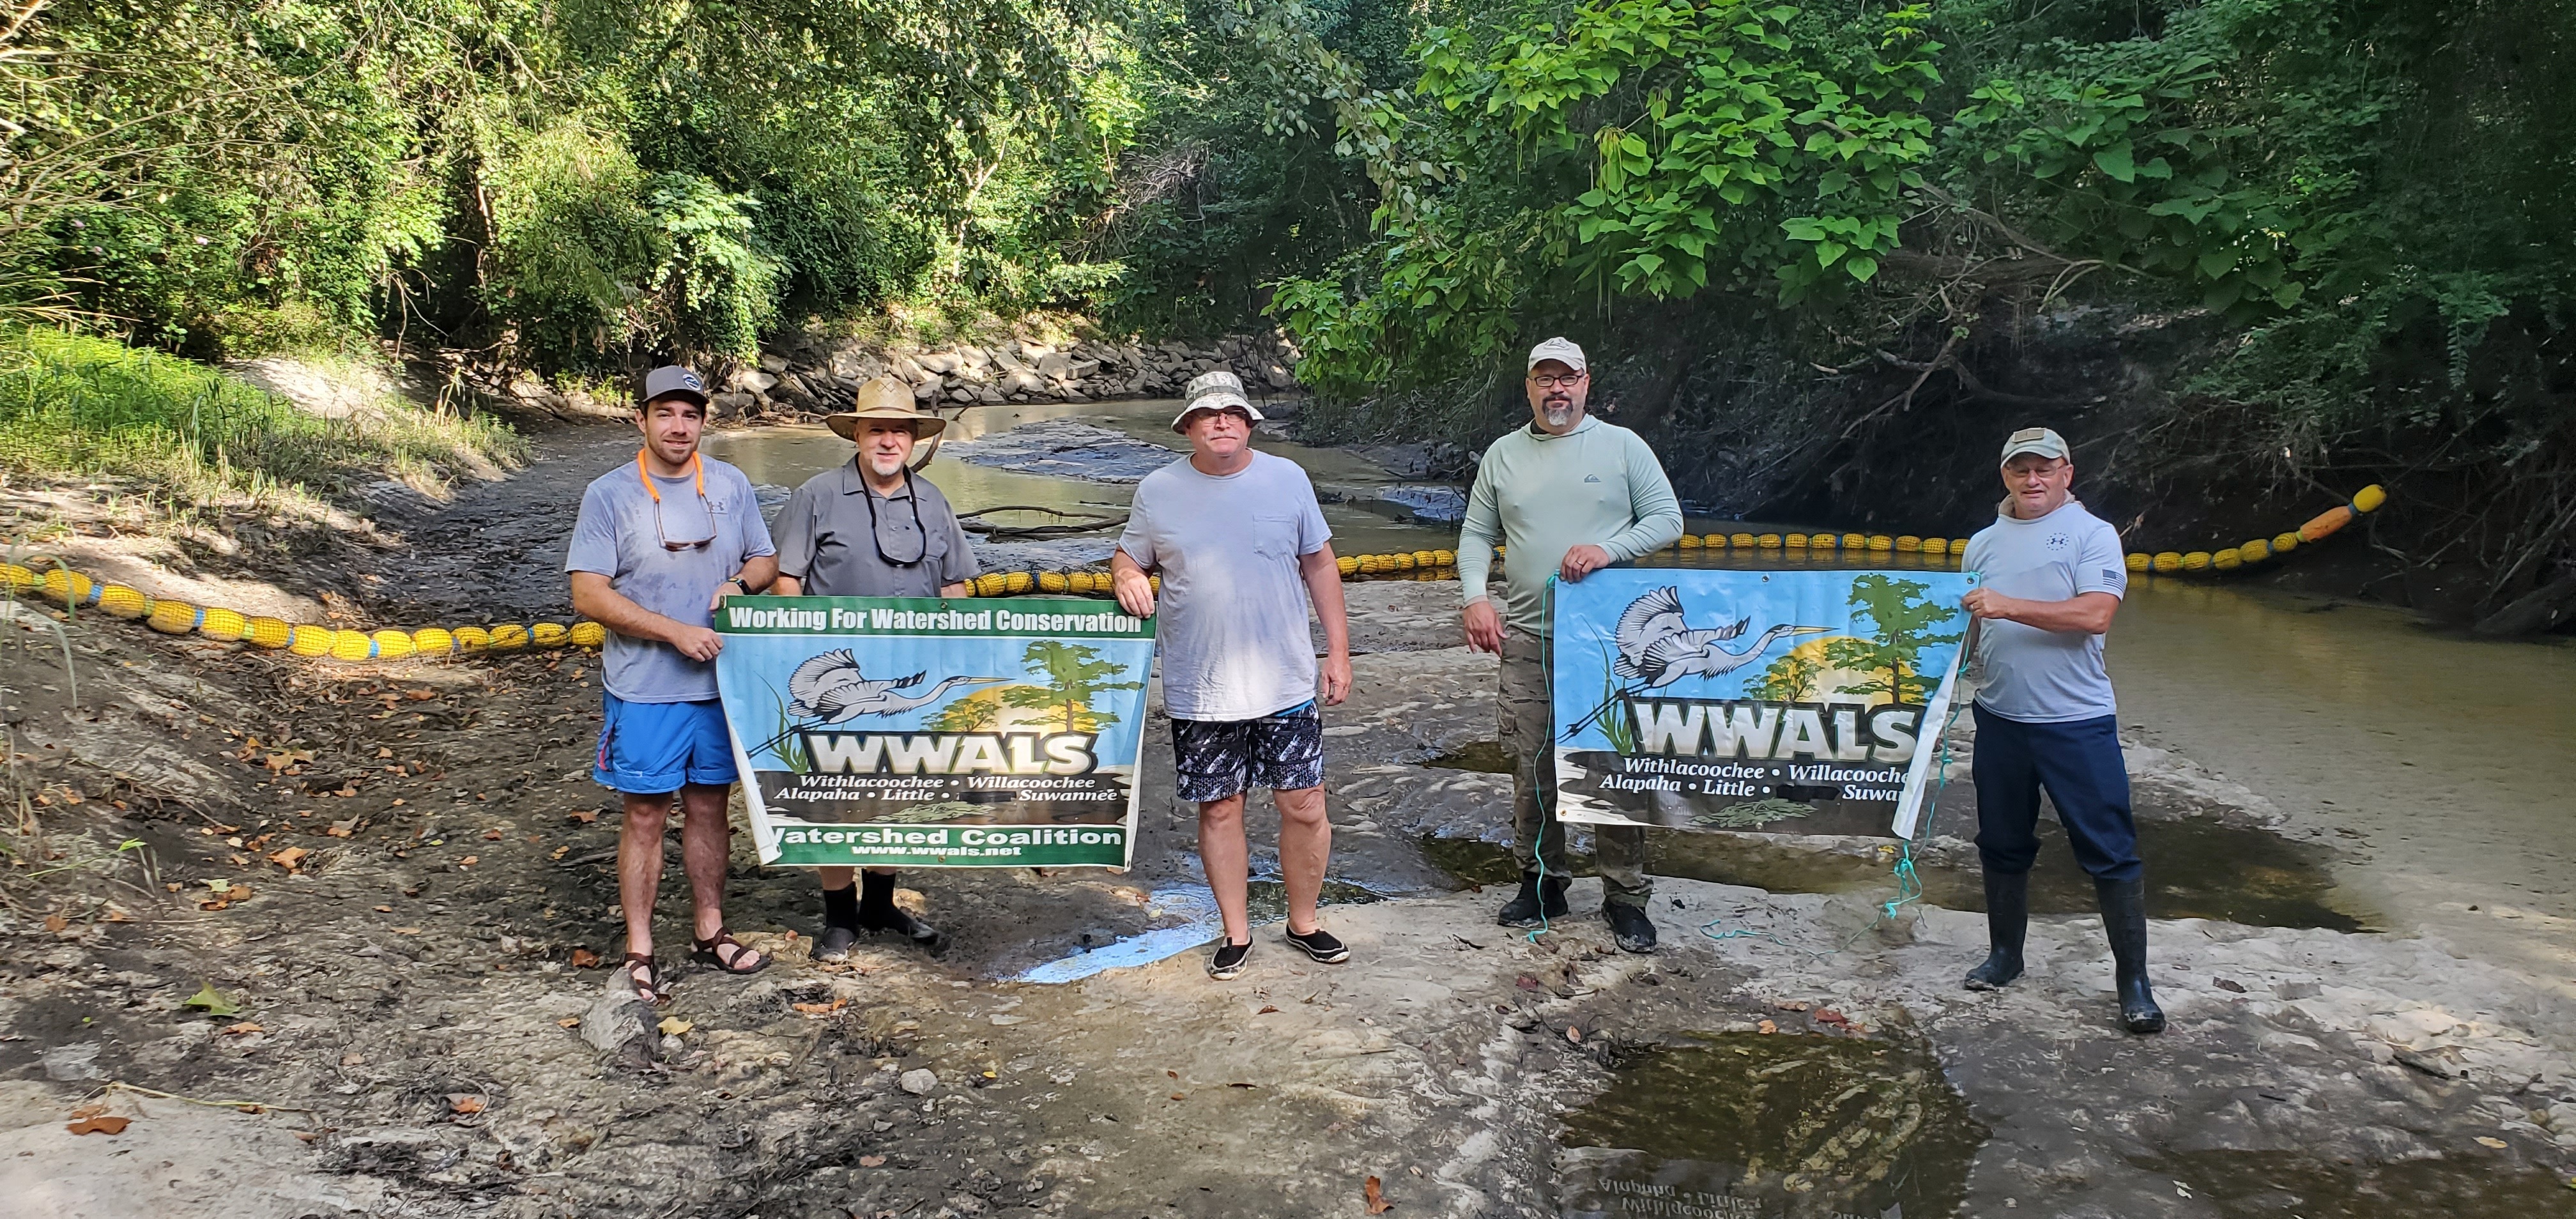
{"x": 1074, "y": 676}
{"x": 1651, "y": 148}
{"x": 1790, "y": 679}
{"x": 1904, "y": 618}
{"x": 71, "y": 404}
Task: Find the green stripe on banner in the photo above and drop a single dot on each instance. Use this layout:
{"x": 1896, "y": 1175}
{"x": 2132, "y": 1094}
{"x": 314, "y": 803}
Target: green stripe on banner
{"x": 1076, "y": 617}
{"x": 870, "y": 846}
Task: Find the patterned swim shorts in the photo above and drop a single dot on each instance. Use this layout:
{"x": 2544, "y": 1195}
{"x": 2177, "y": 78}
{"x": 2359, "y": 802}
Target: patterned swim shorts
{"x": 1221, "y": 758}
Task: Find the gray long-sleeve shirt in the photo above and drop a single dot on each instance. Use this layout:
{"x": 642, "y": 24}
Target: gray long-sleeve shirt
{"x": 1540, "y": 495}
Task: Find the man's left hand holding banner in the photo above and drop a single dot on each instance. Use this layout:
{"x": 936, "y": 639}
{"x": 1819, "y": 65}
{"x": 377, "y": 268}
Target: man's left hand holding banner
{"x": 881, "y": 732}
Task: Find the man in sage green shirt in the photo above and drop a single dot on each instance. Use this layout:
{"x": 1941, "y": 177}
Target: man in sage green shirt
{"x": 1565, "y": 496}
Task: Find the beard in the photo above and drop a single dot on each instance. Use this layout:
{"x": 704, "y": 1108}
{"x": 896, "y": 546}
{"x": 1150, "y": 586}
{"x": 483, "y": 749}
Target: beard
{"x": 1559, "y": 411}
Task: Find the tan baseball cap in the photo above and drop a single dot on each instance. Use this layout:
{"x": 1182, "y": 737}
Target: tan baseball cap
{"x": 2043, "y": 441}
{"x": 1560, "y": 349}
{"x": 1214, "y": 391}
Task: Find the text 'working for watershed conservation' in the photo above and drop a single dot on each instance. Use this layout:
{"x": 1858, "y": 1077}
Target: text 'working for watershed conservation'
{"x": 932, "y": 733}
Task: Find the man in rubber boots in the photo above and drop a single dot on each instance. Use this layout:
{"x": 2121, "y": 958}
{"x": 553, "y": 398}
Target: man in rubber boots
{"x": 2049, "y": 578}
{"x": 1566, "y": 496}
{"x": 660, "y": 542}
{"x": 872, "y": 528}
{"x": 1235, "y": 533}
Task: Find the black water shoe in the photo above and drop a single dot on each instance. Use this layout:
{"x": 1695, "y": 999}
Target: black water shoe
{"x": 2007, "y": 921}
{"x": 1629, "y": 926}
{"x": 1321, "y": 945}
{"x": 877, "y": 912}
{"x": 840, "y": 924}
{"x": 1227, "y": 961}
{"x": 2124, "y": 919}
{"x": 1538, "y": 898}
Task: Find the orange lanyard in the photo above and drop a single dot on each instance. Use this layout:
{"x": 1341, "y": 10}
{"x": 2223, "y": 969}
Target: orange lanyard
{"x": 645, "y": 473}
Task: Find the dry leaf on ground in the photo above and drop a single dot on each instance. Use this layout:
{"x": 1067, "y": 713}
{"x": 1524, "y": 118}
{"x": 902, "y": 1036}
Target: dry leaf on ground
{"x": 1376, "y": 1200}
{"x": 871, "y": 1161}
{"x": 674, "y": 1026}
{"x": 102, "y": 1124}
{"x": 584, "y": 816}
{"x": 236, "y": 1030}
{"x": 289, "y": 857}
{"x": 56, "y": 923}
{"x": 583, "y": 958}
{"x": 464, "y": 1102}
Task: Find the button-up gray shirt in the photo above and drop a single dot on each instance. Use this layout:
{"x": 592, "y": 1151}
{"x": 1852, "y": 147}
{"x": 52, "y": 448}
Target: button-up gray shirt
{"x": 824, "y": 538}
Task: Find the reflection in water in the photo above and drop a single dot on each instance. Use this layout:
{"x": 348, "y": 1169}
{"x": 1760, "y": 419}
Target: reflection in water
{"x": 2449, "y": 754}
{"x": 1748, "y": 1125}
{"x": 2265, "y": 1184}
{"x": 2195, "y": 869}
{"x": 787, "y": 456}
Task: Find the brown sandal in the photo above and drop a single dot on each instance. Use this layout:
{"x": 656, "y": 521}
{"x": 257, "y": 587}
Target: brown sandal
{"x": 705, "y": 953}
{"x": 650, "y": 989}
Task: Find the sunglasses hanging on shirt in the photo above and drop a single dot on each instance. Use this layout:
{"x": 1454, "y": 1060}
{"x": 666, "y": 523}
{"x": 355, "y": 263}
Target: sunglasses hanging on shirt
{"x": 697, "y": 467}
{"x": 876, "y": 528}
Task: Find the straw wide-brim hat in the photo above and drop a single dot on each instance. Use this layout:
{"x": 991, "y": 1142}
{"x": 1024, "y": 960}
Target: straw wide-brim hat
{"x": 884, "y": 398}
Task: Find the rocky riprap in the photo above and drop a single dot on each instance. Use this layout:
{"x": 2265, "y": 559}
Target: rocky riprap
{"x": 808, "y": 374}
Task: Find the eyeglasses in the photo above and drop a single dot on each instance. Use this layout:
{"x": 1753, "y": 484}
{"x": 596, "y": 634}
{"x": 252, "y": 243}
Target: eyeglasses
{"x": 1568, "y": 381}
{"x": 696, "y": 466}
{"x": 920, "y": 535}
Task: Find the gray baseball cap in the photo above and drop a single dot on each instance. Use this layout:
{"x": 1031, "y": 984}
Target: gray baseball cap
{"x": 673, "y": 381}
{"x": 2043, "y": 441}
{"x": 1562, "y": 350}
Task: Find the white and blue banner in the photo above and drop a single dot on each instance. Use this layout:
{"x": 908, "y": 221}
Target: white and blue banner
{"x": 1799, "y": 702}
{"x": 959, "y": 733}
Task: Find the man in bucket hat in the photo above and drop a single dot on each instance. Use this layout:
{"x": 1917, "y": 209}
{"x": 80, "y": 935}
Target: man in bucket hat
{"x": 1235, "y": 533}
{"x": 660, "y": 541}
{"x": 872, "y": 528}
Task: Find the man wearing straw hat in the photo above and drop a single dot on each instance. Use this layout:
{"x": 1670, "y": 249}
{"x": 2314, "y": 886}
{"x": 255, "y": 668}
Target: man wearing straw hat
{"x": 872, "y": 528}
{"x": 659, "y": 543}
{"x": 1235, "y": 533}
{"x": 1567, "y": 496}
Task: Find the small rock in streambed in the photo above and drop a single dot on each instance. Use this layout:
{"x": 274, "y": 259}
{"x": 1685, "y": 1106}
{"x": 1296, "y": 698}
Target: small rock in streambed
{"x": 919, "y": 1081}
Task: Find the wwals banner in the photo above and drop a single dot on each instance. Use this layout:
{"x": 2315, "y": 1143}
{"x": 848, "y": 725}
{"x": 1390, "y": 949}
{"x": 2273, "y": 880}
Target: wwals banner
{"x": 880, "y": 731}
{"x": 1804, "y": 702}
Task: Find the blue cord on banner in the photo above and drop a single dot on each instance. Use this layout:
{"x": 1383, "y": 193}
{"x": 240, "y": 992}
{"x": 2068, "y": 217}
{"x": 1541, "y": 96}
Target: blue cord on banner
{"x": 1542, "y": 759}
{"x": 1909, "y": 881}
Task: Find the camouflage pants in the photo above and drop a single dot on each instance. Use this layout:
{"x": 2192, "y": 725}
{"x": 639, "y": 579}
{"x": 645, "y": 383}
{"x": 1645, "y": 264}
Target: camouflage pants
{"x": 1527, "y": 727}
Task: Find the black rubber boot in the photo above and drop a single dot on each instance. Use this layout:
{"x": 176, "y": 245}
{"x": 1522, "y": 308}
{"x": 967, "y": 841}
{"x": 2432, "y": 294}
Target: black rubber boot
{"x": 1537, "y": 897}
{"x": 840, "y": 924}
{"x": 877, "y": 912}
{"x": 2124, "y": 919}
{"x": 2007, "y": 921}
{"x": 1629, "y": 926}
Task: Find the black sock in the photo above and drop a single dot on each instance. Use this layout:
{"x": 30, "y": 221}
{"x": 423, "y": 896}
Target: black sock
{"x": 841, "y": 908}
{"x": 876, "y": 893}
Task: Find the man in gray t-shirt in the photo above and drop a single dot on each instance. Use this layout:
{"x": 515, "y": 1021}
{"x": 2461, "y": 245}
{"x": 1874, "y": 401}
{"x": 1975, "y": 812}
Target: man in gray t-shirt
{"x": 1241, "y": 546}
{"x": 872, "y": 528}
{"x": 660, "y": 541}
{"x": 2049, "y": 578}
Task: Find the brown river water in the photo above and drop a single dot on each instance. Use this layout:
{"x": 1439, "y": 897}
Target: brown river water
{"x": 2447, "y": 764}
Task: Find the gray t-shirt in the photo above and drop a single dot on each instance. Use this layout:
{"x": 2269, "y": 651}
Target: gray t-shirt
{"x": 617, "y": 538}
{"x": 2036, "y": 676}
{"x": 828, "y": 540}
{"x": 1231, "y": 620}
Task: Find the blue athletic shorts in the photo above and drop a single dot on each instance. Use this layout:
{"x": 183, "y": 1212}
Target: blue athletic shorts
{"x": 1283, "y": 751}
{"x": 649, "y": 749}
